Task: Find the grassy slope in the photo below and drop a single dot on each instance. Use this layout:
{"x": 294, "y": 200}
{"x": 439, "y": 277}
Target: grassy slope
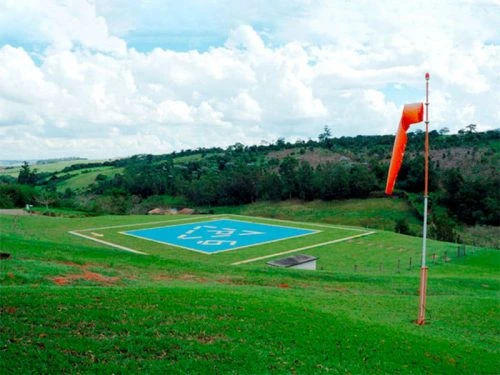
{"x": 49, "y": 167}
{"x": 86, "y": 177}
{"x": 369, "y": 213}
{"x": 186, "y": 312}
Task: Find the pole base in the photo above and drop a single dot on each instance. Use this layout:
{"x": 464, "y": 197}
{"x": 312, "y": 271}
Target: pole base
{"x": 423, "y": 296}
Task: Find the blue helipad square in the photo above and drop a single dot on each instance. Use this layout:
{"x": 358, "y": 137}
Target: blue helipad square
{"x": 218, "y": 235}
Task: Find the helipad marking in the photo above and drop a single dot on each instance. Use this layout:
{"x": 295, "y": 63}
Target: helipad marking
{"x": 219, "y": 235}
{"x": 302, "y": 248}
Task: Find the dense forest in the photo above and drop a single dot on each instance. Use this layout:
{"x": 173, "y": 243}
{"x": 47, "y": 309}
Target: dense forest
{"x": 464, "y": 181}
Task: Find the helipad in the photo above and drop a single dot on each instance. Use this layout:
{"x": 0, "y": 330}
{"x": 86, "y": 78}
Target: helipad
{"x": 215, "y": 236}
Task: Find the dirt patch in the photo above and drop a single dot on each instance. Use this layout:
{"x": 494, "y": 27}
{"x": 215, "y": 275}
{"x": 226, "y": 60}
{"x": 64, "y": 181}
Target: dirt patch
{"x": 163, "y": 278}
{"x": 190, "y": 277}
{"x": 183, "y": 277}
{"x": 13, "y": 211}
{"x": 238, "y": 280}
{"x": 8, "y": 309}
{"x": 71, "y": 264}
{"x": 85, "y": 275}
{"x": 314, "y": 158}
{"x": 233, "y": 281}
{"x": 207, "y": 339}
{"x": 336, "y": 289}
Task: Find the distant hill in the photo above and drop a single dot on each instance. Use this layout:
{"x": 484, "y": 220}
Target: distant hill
{"x": 17, "y": 163}
{"x": 464, "y": 179}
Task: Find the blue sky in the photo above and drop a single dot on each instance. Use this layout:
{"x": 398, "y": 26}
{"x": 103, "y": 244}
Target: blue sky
{"x": 107, "y": 78}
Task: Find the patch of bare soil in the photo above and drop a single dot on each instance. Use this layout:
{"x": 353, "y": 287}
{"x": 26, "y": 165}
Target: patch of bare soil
{"x": 222, "y": 280}
{"x": 85, "y": 275}
{"x": 314, "y": 158}
{"x": 13, "y": 211}
{"x": 210, "y": 339}
{"x": 8, "y": 310}
{"x": 183, "y": 277}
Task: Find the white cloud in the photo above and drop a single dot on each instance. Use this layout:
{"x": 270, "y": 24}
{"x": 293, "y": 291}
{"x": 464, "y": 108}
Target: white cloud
{"x": 62, "y": 24}
{"x": 81, "y": 91}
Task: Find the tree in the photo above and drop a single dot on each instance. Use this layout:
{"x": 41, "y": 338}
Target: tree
{"x": 325, "y": 138}
{"x": 288, "y": 173}
{"x": 305, "y": 185}
{"x": 361, "y": 181}
{"x": 412, "y": 175}
{"x": 16, "y": 195}
{"x": 237, "y": 185}
{"x": 471, "y": 128}
{"x": 453, "y": 181}
{"x": 402, "y": 226}
{"x": 26, "y": 175}
{"x": 46, "y": 197}
{"x": 444, "y": 131}
{"x": 270, "y": 187}
{"x": 280, "y": 143}
{"x": 332, "y": 182}
{"x": 205, "y": 190}
{"x": 441, "y": 227}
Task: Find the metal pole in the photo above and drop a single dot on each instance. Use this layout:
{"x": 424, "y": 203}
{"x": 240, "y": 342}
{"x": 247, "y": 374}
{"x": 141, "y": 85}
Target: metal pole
{"x": 423, "y": 272}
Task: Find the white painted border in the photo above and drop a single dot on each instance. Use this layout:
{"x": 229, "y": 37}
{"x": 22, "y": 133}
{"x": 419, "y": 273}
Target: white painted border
{"x": 108, "y": 243}
{"x": 215, "y": 217}
{"x": 301, "y": 249}
{"x": 308, "y": 223}
{"x": 234, "y": 248}
{"x": 152, "y": 222}
{"x": 116, "y": 246}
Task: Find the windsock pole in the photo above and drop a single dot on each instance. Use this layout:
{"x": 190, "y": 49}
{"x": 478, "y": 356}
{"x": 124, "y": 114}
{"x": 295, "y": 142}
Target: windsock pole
{"x": 423, "y": 270}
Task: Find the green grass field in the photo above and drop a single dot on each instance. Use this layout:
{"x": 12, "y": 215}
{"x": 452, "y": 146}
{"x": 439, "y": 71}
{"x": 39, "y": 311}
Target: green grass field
{"x": 86, "y": 177}
{"x": 48, "y": 167}
{"x": 369, "y": 213}
{"x": 69, "y": 304}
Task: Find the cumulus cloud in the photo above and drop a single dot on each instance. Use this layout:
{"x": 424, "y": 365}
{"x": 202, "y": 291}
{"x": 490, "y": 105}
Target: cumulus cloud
{"x": 73, "y": 87}
{"x": 61, "y": 24}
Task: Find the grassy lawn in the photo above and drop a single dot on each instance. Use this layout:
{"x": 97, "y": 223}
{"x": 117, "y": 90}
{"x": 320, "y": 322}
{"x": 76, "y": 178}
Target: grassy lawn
{"x": 72, "y": 305}
{"x": 380, "y": 213}
{"x": 86, "y": 177}
{"x": 49, "y": 167}
{"x": 188, "y": 158}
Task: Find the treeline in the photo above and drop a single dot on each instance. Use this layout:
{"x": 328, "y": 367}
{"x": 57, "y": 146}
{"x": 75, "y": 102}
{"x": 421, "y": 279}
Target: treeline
{"x": 244, "y": 174}
{"x": 238, "y": 182}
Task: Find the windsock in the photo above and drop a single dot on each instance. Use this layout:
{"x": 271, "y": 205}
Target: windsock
{"x": 412, "y": 113}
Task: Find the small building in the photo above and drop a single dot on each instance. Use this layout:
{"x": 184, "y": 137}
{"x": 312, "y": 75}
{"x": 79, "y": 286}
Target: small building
{"x": 301, "y": 261}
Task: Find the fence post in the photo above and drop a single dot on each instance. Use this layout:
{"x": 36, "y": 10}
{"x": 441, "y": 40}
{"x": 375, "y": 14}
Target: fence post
{"x": 434, "y": 258}
{"x": 410, "y": 264}
{"x": 446, "y": 257}
{"x": 355, "y": 268}
{"x": 399, "y": 265}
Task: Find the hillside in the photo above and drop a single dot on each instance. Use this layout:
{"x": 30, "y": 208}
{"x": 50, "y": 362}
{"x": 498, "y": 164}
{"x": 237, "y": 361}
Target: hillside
{"x": 73, "y": 305}
{"x": 464, "y": 182}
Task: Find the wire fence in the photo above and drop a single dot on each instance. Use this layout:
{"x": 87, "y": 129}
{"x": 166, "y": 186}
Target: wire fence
{"x": 405, "y": 264}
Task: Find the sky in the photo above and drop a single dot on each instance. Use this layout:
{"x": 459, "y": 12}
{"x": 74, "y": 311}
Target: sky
{"x": 111, "y": 78}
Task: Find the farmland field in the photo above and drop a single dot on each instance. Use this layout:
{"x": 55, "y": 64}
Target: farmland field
{"x": 48, "y": 167}
{"x": 71, "y": 304}
{"x": 84, "y": 178}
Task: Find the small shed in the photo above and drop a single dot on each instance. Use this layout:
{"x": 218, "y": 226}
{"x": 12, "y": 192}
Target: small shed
{"x": 301, "y": 261}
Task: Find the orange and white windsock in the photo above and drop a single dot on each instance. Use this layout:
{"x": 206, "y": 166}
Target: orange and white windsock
{"x": 412, "y": 113}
